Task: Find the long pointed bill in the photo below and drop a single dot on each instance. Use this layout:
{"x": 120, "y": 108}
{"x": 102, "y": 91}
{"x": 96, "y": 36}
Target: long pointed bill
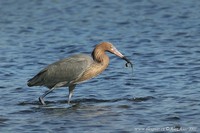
{"x": 128, "y": 61}
{"x": 116, "y": 52}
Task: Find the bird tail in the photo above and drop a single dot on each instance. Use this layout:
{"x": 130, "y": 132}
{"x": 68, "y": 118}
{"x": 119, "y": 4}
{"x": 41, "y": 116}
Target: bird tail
{"x": 36, "y": 80}
{"x": 33, "y": 82}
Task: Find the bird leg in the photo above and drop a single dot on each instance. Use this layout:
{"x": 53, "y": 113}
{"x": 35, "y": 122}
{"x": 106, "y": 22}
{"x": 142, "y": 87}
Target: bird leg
{"x": 71, "y": 89}
{"x": 41, "y": 98}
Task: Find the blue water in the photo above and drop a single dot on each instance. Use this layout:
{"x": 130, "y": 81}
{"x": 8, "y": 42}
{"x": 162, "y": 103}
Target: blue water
{"x": 161, "y": 38}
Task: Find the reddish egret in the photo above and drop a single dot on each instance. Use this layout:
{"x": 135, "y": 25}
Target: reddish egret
{"x": 74, "y": 70}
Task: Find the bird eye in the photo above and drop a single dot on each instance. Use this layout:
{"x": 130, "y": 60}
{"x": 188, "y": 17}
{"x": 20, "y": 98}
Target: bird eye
{"x": 111, "y": 47}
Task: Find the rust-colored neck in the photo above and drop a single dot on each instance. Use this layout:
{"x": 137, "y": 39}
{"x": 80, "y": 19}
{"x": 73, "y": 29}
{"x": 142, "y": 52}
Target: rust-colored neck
{"x": 100, "y": 62}
{"x": 99, "y": 56}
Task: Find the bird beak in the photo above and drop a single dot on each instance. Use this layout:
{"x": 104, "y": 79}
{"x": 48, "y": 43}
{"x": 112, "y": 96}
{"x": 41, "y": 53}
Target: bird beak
{"x": 116, "y": 52}
{"x": 128, "y": 61}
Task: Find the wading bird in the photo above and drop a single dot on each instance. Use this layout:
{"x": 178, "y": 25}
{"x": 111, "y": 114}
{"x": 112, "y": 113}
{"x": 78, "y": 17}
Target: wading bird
{"x": 74, "y": 70}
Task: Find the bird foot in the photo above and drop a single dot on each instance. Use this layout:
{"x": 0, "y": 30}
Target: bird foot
{"x": 42, "y": 101}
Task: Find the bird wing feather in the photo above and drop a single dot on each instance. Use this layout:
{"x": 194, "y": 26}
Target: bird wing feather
{"x": 63, "y": 72}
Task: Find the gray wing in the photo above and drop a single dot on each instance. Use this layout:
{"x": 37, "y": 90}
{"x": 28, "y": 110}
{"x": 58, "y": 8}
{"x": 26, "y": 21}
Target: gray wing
{"x": 63, "y": 72}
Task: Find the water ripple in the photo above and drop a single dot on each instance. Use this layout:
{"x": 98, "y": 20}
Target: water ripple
{"x": 161, "y": 38}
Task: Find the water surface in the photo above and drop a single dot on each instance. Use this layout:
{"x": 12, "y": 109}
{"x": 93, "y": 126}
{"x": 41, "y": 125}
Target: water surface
{"x": 161, "y": 38}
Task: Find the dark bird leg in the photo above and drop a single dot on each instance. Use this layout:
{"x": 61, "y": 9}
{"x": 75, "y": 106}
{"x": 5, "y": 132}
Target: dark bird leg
{"x": 71, "y": 89}
{"x": 41, "y": 98}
